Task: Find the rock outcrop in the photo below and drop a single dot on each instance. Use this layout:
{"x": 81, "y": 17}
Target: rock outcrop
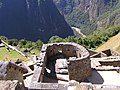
{"x": 32, "y": 19}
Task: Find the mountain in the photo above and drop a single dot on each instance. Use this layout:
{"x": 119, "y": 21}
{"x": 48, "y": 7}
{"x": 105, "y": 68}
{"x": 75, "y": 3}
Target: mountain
{"x": 32, "y": 20}
{"x": 89, "y": 15}
{"x": 109, "y": 18}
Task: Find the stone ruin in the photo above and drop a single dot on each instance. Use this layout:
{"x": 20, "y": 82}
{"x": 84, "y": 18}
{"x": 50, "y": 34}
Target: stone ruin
{"x": 104, "y": 53}
{"x": 62, "y": 66}
{"x": 106, "y": 60}
{"x": 69, "y": 62}
{"x": 75, "y": 57}
{"x": 59, "y": 59}
{"x": 11, "y": 76}
{"x": 11, "y": 71}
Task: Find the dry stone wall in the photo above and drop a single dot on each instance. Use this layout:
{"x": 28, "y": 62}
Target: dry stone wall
{"x": 11, "y": 71}
{"x": 78, "y": 62}
{"x": 10, "y": 85}
{"x": 79, "y": 67}
{"x": 79, "y": 70}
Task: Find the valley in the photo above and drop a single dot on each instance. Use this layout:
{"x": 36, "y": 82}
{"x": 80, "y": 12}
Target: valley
{"x": 60, "y": 44}
{"x": 89, "y": 15}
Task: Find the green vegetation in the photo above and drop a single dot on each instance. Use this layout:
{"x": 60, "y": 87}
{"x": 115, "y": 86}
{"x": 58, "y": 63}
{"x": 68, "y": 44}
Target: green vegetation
{"x": 75, "y": 15}
{"x": 25, "y": 44}
{"x": 81, "y": 20}
{"x": 91, "y": 41}
{"x": 100, "y": 36}
{"x": 112, "y": 12}
{"x": 28, "y": 47}
{"x": 6, "y": 54}
{"x": 107, "y": 13}
{"x": 112, "y": 43}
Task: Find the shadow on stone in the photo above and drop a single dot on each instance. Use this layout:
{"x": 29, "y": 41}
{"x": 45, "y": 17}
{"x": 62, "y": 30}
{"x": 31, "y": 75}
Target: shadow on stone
{"x": 96, "y": 78}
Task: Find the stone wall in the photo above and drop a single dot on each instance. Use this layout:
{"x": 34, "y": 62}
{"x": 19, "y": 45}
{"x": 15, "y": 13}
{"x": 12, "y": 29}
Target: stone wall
{"x": 110, "y": 52}
{"x": 79, "y": 67}
{"x": 115, "y": 63}
{"x": 78, "y": 59}
{"x": 14, "y": 74}
{"x": 105, "y": 53}
{"x": 11, "y": 71}
{"x": 67, "y": 50}
{"x": 10, "y": 85}
{"x": 91, "y": 52}
{"x": 79, "y": 70}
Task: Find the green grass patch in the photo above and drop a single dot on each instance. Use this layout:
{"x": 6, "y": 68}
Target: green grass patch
{"x": 33, "y": 52}
{"x": 6, "y": 54}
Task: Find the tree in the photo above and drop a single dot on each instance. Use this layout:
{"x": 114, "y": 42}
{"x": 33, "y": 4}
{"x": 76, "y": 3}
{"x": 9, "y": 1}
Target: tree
{"x": 38, "y": 44}
{"x": 13, "y": 42}
{"x": 3, "y": 38}
{"x": 54, "y": 39}
{"x": 22, "y": 43}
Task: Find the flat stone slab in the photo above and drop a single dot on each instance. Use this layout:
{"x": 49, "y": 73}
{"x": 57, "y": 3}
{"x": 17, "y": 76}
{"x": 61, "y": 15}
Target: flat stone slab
{"x": 49, "y": 86}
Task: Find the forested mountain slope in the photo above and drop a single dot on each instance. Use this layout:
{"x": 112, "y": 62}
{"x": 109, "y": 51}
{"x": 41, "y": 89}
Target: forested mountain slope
{"x": 32, "y": 20}
{"x": 89, "y": 15}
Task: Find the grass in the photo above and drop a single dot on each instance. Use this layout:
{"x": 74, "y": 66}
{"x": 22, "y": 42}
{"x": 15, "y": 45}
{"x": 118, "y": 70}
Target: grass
{"x": 112, "y": 43}
{"x": 34, "y": 52}
{"x": 118, "y": 49}
{"x": 6, "y": 54}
